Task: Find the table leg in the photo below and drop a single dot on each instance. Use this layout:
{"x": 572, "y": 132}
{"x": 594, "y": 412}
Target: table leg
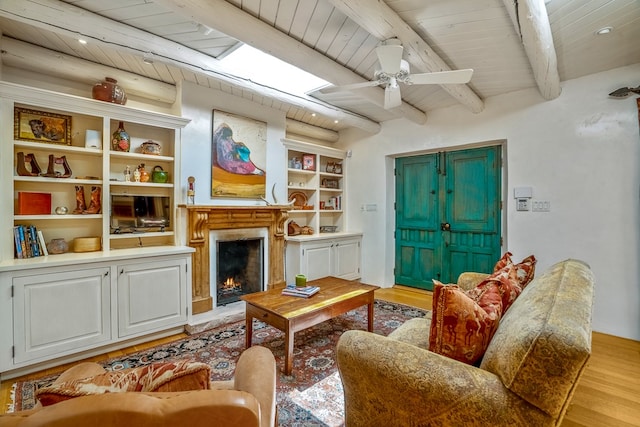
{"x": 248, "y": 329}
{"x": 288, "y": 351}
{"x": 370, "y": 316}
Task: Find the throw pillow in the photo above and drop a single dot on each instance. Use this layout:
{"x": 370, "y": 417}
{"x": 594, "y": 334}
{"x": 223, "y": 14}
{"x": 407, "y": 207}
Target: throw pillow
{"x": 508, "y": 285}
{"x": 173, "y": 376}
{"x": 461, "y": 327}
{"x": 525, "y": 268}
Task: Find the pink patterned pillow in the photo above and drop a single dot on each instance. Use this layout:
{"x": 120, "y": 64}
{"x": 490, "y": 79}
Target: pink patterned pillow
{"x": 508, "y": 286}
{"x": 173, "y": 376}
{"x": 461, "y": 327}
{"x": 525, "y": 269}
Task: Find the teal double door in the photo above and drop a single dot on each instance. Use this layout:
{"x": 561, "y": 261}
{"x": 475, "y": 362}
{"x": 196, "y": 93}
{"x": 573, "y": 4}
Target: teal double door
{"x": 448, "y": 209}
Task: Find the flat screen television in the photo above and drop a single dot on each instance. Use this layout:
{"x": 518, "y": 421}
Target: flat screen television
{"x": 136, "y": 213}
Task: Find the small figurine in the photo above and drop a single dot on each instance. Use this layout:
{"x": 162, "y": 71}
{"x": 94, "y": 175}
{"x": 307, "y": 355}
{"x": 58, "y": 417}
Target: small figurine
{"x": 127, "y": 174}
{"x": 191, "y": 191}
{"x": 136, "y": 175}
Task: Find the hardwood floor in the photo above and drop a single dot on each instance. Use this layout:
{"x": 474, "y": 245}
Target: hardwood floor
{"x": 608, "y": 394}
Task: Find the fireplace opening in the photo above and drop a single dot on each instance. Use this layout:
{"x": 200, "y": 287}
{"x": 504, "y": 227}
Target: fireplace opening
{"x": 239, "y": 269}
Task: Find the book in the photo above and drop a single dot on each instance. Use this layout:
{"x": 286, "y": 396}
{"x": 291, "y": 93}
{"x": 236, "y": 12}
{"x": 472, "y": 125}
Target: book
{"x": 304, "y": 292}
{"x": 23, "y": 243}
{"x": 16, "y": 238}
{"x": 33, "y": 240}
{"x": 43, "y": 244}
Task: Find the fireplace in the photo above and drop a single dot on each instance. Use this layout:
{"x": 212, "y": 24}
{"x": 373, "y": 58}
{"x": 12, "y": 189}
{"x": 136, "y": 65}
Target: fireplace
{"x": 238, "y": 264}
{"x": 202, "y": 220}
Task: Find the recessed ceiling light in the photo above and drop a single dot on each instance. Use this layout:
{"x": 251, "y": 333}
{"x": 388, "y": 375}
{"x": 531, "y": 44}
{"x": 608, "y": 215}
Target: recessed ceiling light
{"x": 82, "y": 41}
{"x": 604, "y": 30}
{"x": 148, "y": 58}
{"x": 336, "y": 121}
{"x": 313, "y": 114}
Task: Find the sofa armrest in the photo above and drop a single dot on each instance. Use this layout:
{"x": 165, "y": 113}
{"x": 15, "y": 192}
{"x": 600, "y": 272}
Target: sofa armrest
{"x": 256, "y": 374}
{"x": 391, "y": 383}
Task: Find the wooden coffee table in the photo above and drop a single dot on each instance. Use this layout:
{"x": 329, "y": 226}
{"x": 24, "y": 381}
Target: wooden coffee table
{"x": 293, "y": 314}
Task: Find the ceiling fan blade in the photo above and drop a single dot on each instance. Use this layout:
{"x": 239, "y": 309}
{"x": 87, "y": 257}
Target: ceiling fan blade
{"x": 442, "y": 77}
{"x": 344, "y": 88}
{"x": 392, "y": 97}
{"x": 389, "y": 57}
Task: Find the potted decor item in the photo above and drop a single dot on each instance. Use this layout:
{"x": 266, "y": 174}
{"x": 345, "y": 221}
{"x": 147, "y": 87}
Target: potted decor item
{"x": 121, "y": 141}
{"x": 109, "y": 91}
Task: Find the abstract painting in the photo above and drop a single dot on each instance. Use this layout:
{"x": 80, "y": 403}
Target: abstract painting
{"x": 238, "y": 156}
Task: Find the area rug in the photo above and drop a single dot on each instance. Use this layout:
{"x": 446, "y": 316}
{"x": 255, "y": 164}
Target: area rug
{"x": 310, "y": 396}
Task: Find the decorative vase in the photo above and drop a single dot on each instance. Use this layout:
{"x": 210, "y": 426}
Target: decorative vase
{"x": 58, "y": 246}
{"x": 109, "y": 91}
{"x": 144, "y": 175}
{"x": 121, "y": 140}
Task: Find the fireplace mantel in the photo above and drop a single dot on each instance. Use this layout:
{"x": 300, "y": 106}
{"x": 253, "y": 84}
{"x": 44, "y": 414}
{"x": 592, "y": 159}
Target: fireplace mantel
{"x": 201, "y": 219}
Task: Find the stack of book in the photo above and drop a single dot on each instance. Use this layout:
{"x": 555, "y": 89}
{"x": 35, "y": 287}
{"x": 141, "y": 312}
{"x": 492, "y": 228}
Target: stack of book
{"x": 29, "y": 242}
{"x": 303, "y": 292}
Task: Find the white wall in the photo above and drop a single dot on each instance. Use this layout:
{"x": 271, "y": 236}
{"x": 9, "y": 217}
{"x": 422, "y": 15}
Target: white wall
{"x": 198, "y": 104}
{"x": 580, "y": 152}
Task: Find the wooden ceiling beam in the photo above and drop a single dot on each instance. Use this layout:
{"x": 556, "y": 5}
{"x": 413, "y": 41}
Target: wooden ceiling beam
{"x": 236, "y": 23}
{"x": 531, "y": 22}
{"x": 384, "y": 23}
{"x": 27, "y": 56}
{"x": 71, "y": 21}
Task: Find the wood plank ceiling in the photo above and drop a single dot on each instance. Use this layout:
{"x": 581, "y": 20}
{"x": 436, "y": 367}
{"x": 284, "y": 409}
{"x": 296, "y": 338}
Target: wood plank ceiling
{"x": 510, "y": 44}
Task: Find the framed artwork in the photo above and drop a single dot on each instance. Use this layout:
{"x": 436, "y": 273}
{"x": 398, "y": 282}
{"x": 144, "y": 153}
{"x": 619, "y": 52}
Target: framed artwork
{"x": 309, "y": 162}
{"x": 41, "y": 126}
{"x": 238, "y": 156}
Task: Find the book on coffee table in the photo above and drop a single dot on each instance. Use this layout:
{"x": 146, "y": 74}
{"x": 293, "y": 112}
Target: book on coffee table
{"x": 304, "y": 292}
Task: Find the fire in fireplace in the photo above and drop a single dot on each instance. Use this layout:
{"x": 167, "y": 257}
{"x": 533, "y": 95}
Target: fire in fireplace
{"x": 239, "y": 269}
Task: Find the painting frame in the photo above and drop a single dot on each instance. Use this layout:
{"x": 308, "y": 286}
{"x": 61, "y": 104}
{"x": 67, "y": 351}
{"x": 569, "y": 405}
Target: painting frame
{"x": 41, "y": 126}
{"x": 238, "y": 156}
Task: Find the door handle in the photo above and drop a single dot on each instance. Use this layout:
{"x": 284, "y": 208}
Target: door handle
{"x": 445, "y": 226}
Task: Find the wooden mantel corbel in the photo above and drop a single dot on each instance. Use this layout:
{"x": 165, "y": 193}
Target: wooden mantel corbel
{"x": 201, "y": 219}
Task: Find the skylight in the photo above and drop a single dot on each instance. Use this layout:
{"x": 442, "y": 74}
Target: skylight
{"x": 259, "y": 67}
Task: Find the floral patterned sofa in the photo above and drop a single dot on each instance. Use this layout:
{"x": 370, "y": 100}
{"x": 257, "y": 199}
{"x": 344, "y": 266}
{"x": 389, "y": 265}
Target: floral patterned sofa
{"x": 526, "y": 377}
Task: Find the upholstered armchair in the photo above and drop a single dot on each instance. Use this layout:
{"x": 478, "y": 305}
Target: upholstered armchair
{"x": 249, "y": 399}
{"x": 526, "y": 377}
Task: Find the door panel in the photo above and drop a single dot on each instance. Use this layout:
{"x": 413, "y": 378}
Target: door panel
{"x": 447, "y": 215}
{"x": 417, "y": 229}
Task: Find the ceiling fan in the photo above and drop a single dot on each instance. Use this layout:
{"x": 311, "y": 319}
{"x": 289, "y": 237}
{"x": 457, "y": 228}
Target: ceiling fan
{"x": 394, "y": 70}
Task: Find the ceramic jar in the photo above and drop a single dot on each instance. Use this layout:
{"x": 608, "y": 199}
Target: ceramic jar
{"x": 58, "y": 246}
{"x": 120, "y": 140}
{"x": 109, "y": 91}
{"x": 144, "y": 175}
{"x": 159, "y": 175}
{"x": 151, "y": 147}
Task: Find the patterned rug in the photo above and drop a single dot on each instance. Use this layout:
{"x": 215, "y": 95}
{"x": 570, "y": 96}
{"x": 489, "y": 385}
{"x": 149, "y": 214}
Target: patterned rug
{"x": 310, "y": 396}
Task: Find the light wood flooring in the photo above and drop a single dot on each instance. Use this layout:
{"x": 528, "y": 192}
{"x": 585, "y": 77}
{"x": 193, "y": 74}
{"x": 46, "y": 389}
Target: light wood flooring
{"x": 608, "y": 394}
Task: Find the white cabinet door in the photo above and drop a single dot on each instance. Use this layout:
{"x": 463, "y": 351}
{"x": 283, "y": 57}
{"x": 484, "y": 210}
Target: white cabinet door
{"x": 346, "y": 257}
{"x": 60, "y": 313}
{"x": 151, "y": 296}
{"x": 317, "y": 260}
